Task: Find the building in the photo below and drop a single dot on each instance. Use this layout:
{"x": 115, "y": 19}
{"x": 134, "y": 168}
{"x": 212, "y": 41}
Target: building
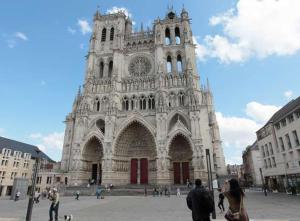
{"x": 279, "y": 146}
{"x": 234, "y": 170}
{"x": 142, "y": 117}
{"x": 252, "y": 162}
{"x": 17, "y": 161}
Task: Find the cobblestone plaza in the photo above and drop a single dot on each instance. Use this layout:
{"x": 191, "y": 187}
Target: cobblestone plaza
{"x": 136, "y": 208}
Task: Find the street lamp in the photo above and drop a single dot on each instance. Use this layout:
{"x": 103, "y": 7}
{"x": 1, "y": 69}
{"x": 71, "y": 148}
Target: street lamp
{"x": 210, "y": 181}
{"x": 30, "y": 201}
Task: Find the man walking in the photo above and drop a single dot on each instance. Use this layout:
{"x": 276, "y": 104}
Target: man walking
{"x": 54, "y": 197}
{"x": 200, "y": 202}
{"x": 77, "y": 195}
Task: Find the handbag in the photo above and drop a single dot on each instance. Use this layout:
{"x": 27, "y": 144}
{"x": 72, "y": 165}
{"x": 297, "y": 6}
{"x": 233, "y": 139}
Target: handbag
{"x": 237, "y": 216}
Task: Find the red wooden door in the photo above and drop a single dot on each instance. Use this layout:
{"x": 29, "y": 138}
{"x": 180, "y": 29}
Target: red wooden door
{"x": 176, "y": 168}
{"x": 144, "y": 171}
{"x": 185, "y": 171}
{"x": 133, "y": 171}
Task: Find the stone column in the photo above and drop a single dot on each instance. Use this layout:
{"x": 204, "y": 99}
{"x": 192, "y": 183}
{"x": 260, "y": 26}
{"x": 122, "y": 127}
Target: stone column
{"x": 3, "y": 192}
{"x": 139, "y": 171}
{"x": 105, "y": 69}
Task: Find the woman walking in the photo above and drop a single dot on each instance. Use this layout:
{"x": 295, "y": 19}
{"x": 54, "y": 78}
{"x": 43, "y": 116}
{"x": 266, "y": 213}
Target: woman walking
{"x": 235, "y": 197}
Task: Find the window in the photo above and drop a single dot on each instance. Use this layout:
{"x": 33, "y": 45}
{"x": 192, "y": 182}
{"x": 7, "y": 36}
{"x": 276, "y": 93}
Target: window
{"x": 101, "y": 69}
{"x": 151, "y": 102}
{"x": 125, "y": 104}
{"x": 112, "y": 32}
{"x": 132, "y": 102}
{"x": 177, "y": 35}
{"x": 142, "y": 103}
{"x": 283, "y": 122}
{"x": 298, "y": 114}
{"x": 267, "y": 150}
{"x": 291, "y": 118}
{"x": 266, "y": 165}
{"x": 169, "y": 64}
{"x": 281, "y": 144}
{"x": 179, "y": 64}
{"x": 277, "y": 126}
{"x": 263, "y": 151}
{"x": 288, "y": 140}
{"x": 271, "y": 148}
{"x": 49, "y": 179}
{"x": 274, "y": 162}
{"x": 167, "y": 36}
{"x": 110, "y": 68}
{"x": 181, "y": 98}
{"x": 269, "y": 161}
{"x": 97, "y": 104}
{"x": 103, "y": 36}
{"x": 296, "y": 138}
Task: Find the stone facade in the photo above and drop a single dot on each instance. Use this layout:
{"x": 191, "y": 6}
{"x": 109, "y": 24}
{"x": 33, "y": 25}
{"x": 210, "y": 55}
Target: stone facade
{"x": 279, "y": 145}
{"x": 142, "y": 117}
{"x": 252, "y": 163}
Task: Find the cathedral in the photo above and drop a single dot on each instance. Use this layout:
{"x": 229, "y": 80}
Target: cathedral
{"x": 142, "y": 116}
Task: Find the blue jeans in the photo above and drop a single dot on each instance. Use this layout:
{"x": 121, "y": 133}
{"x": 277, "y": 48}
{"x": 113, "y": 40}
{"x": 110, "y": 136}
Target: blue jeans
{"x": 55, "y": 209}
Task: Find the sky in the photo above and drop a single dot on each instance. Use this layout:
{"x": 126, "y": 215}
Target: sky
{"x": 248, "y": 49}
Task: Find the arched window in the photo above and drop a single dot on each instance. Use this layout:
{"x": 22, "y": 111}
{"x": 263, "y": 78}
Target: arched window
{"x": 112, "y": 33}
{"x": 103, "y": 36}
{"x": 101, "y": 69}
{"x": 181, "y": 98}
{"x": 151, "y": 102}
{"x": 177, "y": 35}
{"x": 97, "y": 104}
{"x": 125, "y": 104}
{"x": 132, "y": 102}
{"x": 110, "y": 68}
{"x": 142, "y": 103}
{"x": 167, "y": 37}
{"x": 169, "y": 64}
{"x": 179, "y": 64}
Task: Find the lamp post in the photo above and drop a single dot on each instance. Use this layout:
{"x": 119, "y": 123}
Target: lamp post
{"x": 210, "y": 181}
{"x": 30, "y": 201}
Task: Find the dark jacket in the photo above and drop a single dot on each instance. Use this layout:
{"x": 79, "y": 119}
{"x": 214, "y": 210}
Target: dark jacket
{"x": 201, "y": 204}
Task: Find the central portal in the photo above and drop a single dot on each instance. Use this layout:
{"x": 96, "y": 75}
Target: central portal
{"x": 136, "y": 146}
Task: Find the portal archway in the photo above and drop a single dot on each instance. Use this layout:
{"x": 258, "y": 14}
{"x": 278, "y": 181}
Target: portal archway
{"x": 181, "y": 155}
{"x": 92, "y": 155}
{"x": 135, "y": 154}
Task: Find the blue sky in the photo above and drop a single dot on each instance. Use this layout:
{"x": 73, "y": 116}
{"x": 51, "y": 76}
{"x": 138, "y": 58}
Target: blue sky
{"x": 249, "y": 50}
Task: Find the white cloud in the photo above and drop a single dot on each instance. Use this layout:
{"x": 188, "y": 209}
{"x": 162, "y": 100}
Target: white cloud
{"x": 81, "y": 46}
{"x": 288, "y": 94}
{"x": 260, "y": 112}
{"x": 255, "y": 29}
{"x": 84, "y": 26}
{"x": 21, "y": 35}
{"x": 71, "y": 30}
{"x": 52, "y": 141}
{"x": 116, "y": 9}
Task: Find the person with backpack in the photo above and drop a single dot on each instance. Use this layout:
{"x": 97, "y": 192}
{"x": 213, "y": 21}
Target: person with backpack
{"x": 200, "y": 202}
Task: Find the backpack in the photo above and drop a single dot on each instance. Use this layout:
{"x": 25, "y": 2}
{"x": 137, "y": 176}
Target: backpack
{"x": 207, "y": 203}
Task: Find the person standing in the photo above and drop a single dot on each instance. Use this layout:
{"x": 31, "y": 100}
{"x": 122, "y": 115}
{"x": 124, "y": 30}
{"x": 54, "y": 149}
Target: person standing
{"x": 36, "y": 197}
{"x": 98, "y": 192}
{"x": 235, "y": 196}
{"x": 200, "y": 202}
{"x": 54, "y": 197}
{"x": 77, "y": 195}
{"x": 17, "y": 196}
{"x": 178, "y": 191}
{"x": 221, "y": 201}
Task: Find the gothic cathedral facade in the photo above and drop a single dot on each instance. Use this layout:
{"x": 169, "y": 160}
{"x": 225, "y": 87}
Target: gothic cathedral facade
{"x": 142, "y": 117}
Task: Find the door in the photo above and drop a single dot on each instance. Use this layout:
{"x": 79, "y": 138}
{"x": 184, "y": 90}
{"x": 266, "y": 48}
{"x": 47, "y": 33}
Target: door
{"x": 94, "y": 172}
{"x": 176, "y": 168}
{"x": 133, "y": 171}
{"x": 185, "y": 171}
{"x": 144, "y": 171}
{"x": 100, "y": 174}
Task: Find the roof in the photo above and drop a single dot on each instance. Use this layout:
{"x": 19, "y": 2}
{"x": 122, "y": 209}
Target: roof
{"x": 284, "y": 111}
{"x": 23, "y": 147}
